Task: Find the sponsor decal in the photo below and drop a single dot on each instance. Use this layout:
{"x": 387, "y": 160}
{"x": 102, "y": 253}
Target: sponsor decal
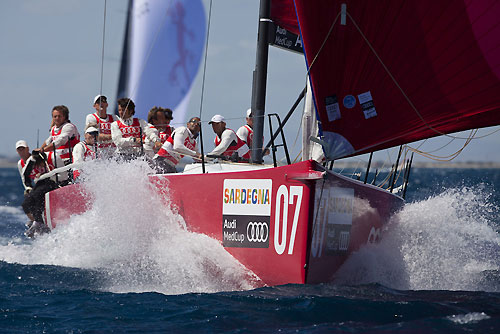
{"x": 374, "y": 235}
{"x": 349, "y": 101}
{"x": 367, "y": 105}
{"x": 282, "y": 38}
{"x": 332, "y": 108}
{"x": 246, "y": 213}
{"x": 333, "y": 225}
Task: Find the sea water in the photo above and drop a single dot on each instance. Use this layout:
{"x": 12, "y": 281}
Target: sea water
{"x": 129, "y": 265}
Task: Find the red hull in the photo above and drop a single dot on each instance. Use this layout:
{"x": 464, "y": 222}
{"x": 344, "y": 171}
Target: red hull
{"x": 287, "y": 224}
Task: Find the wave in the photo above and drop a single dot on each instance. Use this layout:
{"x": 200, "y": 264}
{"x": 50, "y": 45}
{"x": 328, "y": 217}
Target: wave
{"x": 131, "y": 237}
{"x": 449, "y": 241}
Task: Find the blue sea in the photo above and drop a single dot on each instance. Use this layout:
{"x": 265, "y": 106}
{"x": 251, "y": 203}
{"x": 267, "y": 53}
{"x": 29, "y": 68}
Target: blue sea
{"x": 128, "y": 266}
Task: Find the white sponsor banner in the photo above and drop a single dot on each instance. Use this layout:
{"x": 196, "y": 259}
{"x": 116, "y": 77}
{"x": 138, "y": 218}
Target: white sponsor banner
{"x": 340, "y": 204}
{"x": 365, "y": 97}
{"x": 247, "y": 197}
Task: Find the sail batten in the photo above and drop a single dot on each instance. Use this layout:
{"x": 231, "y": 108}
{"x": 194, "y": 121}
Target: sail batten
{"x": 400, "y": 71}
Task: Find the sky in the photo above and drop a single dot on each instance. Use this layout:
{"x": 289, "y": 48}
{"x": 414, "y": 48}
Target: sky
{"x": 51, "y": 55}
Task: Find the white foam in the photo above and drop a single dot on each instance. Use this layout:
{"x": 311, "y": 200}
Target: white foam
{"x": 463, "y": 319}
{"x": 447, "y": 242}
{"x": 136, "y": 241}
{"x": 11, "y": 210}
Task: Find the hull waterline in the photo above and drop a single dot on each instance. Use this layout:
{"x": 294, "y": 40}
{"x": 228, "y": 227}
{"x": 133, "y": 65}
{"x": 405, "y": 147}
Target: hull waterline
{"x": 290, "y": 224}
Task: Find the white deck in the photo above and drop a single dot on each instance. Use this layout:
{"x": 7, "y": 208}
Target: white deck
{"x": 222, "y": 167}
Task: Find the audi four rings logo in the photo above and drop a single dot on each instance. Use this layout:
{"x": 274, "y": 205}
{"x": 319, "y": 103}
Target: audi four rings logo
{"x": 131, "y": 130}
{"x": 257, "y": 232}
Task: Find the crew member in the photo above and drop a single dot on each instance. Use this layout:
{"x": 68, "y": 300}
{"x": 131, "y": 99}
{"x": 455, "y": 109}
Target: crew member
{"x": 127, "y": 131}
{"x": 245, "y": 132}
{"x": 86, "y": 149}
{"x": 227, "y": 142}
{"x": 102, "y": 121}
{"x": 24, "y": 153}
{"x": 158, "y": 118}
{"x": 34, "y": 201}
{"x": 182, "y": 142}
{"x": 63, "y": 137}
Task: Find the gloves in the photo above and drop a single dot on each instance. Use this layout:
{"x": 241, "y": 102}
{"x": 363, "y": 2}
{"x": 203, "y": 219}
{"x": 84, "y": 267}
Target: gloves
{"x": 39, "y": 156}
{"x": 27, "y": 191}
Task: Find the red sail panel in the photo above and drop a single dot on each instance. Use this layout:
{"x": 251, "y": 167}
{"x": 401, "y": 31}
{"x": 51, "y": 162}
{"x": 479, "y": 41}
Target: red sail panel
{"x": 414, "y": 70}
{"x": 283, "y": 14}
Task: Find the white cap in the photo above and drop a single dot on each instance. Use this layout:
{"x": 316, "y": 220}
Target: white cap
{"x": 97, "y": 98}
{"x": 21, "y": 143}
{"x": 217, "y": 119}
{"x": 91, "y": 129}
{"x": 249, "y": 112}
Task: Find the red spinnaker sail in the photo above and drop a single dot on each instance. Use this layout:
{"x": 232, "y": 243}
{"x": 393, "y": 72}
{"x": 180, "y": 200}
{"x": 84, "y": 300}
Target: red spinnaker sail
{"x": 414, "y": 69}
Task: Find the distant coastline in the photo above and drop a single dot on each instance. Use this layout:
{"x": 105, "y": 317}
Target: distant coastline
{"x": 11, "y": 162}
{"x": 423, "y": 164}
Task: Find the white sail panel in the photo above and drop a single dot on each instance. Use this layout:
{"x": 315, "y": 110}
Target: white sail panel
{"x": 166, "y": 42}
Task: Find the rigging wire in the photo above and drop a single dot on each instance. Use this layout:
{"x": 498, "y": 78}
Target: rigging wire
{"x": 397, "y": 84}
{"x": 440, "y": 148}
{"x": 323, "y": 44}
{"x": 399, "y": 167}
{"x": 205, "y": 60}
{"x": 448, "y": 157}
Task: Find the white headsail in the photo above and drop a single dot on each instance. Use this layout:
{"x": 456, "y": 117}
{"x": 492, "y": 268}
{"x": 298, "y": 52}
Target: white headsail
{"x": 164, "y": 48}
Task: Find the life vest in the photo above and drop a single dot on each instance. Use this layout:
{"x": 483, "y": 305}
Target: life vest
{"x": 104, "y": 128}
{"x": 88, "y": 154}
{"x": 51, "y": 162}
{"x": 164, "y": 135}
{"x": 249, "y": 136}
{"x": 63, "y": 151}
{"x": 239, "y": 146}
{"x": 174, "y": 158}
{"x": 36, "y": 171}
{"x": 133, "y": 130}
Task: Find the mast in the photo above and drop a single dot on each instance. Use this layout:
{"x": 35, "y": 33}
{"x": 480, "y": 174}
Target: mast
{"x": 123, "y": 79}
{"x": 259, "y": 80}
